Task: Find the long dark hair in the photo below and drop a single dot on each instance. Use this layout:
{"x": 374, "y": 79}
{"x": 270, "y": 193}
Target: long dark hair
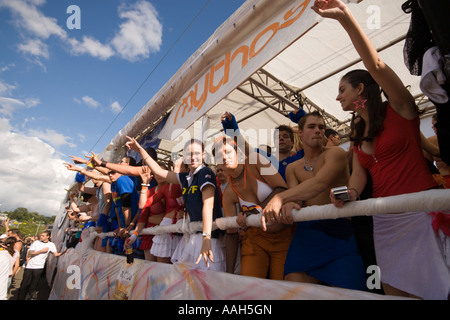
{"x": 374, "y": 105}
{"x": 9, "y": 243}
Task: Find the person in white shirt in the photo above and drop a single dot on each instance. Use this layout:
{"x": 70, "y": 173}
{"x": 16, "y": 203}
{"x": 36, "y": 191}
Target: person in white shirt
{"x": 9, "y": 263}
{"x": 4, "y": 274}
{"x": 38, "y": 253}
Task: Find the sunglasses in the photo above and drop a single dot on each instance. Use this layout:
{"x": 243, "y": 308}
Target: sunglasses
{"x": 111, "y": 172}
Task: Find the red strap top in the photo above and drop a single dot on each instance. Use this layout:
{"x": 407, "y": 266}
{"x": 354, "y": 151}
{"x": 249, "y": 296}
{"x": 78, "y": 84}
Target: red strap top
{"x": 171, "y": 192}
{"x": 154, "y": 204}
{"x": 398, "y": 165}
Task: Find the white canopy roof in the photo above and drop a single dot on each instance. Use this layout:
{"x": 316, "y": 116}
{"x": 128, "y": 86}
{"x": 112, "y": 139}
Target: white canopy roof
{"x": 272, "y": 49}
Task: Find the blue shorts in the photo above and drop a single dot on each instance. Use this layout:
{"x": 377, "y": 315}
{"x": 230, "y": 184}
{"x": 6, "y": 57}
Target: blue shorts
{"x": 332, "y": 260}
{"x": 89, "y": 224}
{"x": 107, "y": 226}
{"x": 102, "y": 221}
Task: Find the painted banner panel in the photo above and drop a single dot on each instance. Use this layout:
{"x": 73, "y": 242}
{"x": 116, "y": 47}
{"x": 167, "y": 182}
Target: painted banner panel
{"x": 91, "y": 275}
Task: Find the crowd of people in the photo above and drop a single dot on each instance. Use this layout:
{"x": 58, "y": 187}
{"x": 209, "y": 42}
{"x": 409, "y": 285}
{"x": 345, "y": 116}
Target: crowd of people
{"x": 27, "y": 255}
{"x": 386, "y": 158}
{"x": 12, "y": 243}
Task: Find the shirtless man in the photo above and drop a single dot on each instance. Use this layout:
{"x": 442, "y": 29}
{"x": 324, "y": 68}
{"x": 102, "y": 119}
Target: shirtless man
{"x": 310, "y": 178}
{"x": 322, "y": 251}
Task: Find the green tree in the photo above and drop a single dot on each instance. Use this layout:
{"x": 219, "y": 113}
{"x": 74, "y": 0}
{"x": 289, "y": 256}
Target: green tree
{"x": 28, "y": 222}
{"x": 20, "y": 214}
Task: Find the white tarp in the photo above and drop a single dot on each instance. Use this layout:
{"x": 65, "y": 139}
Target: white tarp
{"x": 311, "y": 53}
{"x": 284, "y": 22}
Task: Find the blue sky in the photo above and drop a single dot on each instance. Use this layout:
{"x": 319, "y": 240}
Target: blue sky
{"x": 61, "y": 87}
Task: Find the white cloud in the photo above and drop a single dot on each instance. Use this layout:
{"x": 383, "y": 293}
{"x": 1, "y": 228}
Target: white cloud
{"x": 9, "y": 105}
{"x": 140, "y": 34}
{"x": 7, "y": 67}
{"x": 90, "y": 102}
{"x": 30, "y": 18}
{"x": 82, "y": 137}
{"x": 92, "y": 47}
{"x": 6, "y": 88}
{"x": 137, "y": 38}
{"x": 54, "y": 138}
{"x": 34, "y": 47}
{"x": 116, "y": 107}
{"x": 31, "y": 173}
{"x": 37, "y": 2}
{"x": 4, "y": 125}
{"x": 27, "y": 120}
{"x": 32, "y": 102}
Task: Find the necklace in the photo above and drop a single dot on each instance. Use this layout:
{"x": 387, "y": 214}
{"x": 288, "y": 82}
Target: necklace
{"x": 310, "y": 167}
{"x": 307, "y": 166}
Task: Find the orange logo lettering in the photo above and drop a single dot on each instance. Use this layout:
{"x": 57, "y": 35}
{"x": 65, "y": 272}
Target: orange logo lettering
{"x": 191, "y": 101}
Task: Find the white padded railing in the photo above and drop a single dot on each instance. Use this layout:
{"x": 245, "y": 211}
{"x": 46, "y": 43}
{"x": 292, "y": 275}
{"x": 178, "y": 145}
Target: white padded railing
{"x": 426, "y": 201}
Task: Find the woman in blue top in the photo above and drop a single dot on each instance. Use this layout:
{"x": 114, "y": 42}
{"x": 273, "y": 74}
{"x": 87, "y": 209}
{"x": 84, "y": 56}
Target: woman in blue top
{"x": 202, "y": 202}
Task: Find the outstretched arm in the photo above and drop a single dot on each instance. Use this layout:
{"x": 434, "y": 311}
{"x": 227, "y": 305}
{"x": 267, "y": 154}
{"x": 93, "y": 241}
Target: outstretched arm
{"x": 104, "y": 166}
{"x": 87, "y": 173}
{"x": 57, "y": 254}
{"x": 169, "y": 176}
{"x": 400, "y": 98}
